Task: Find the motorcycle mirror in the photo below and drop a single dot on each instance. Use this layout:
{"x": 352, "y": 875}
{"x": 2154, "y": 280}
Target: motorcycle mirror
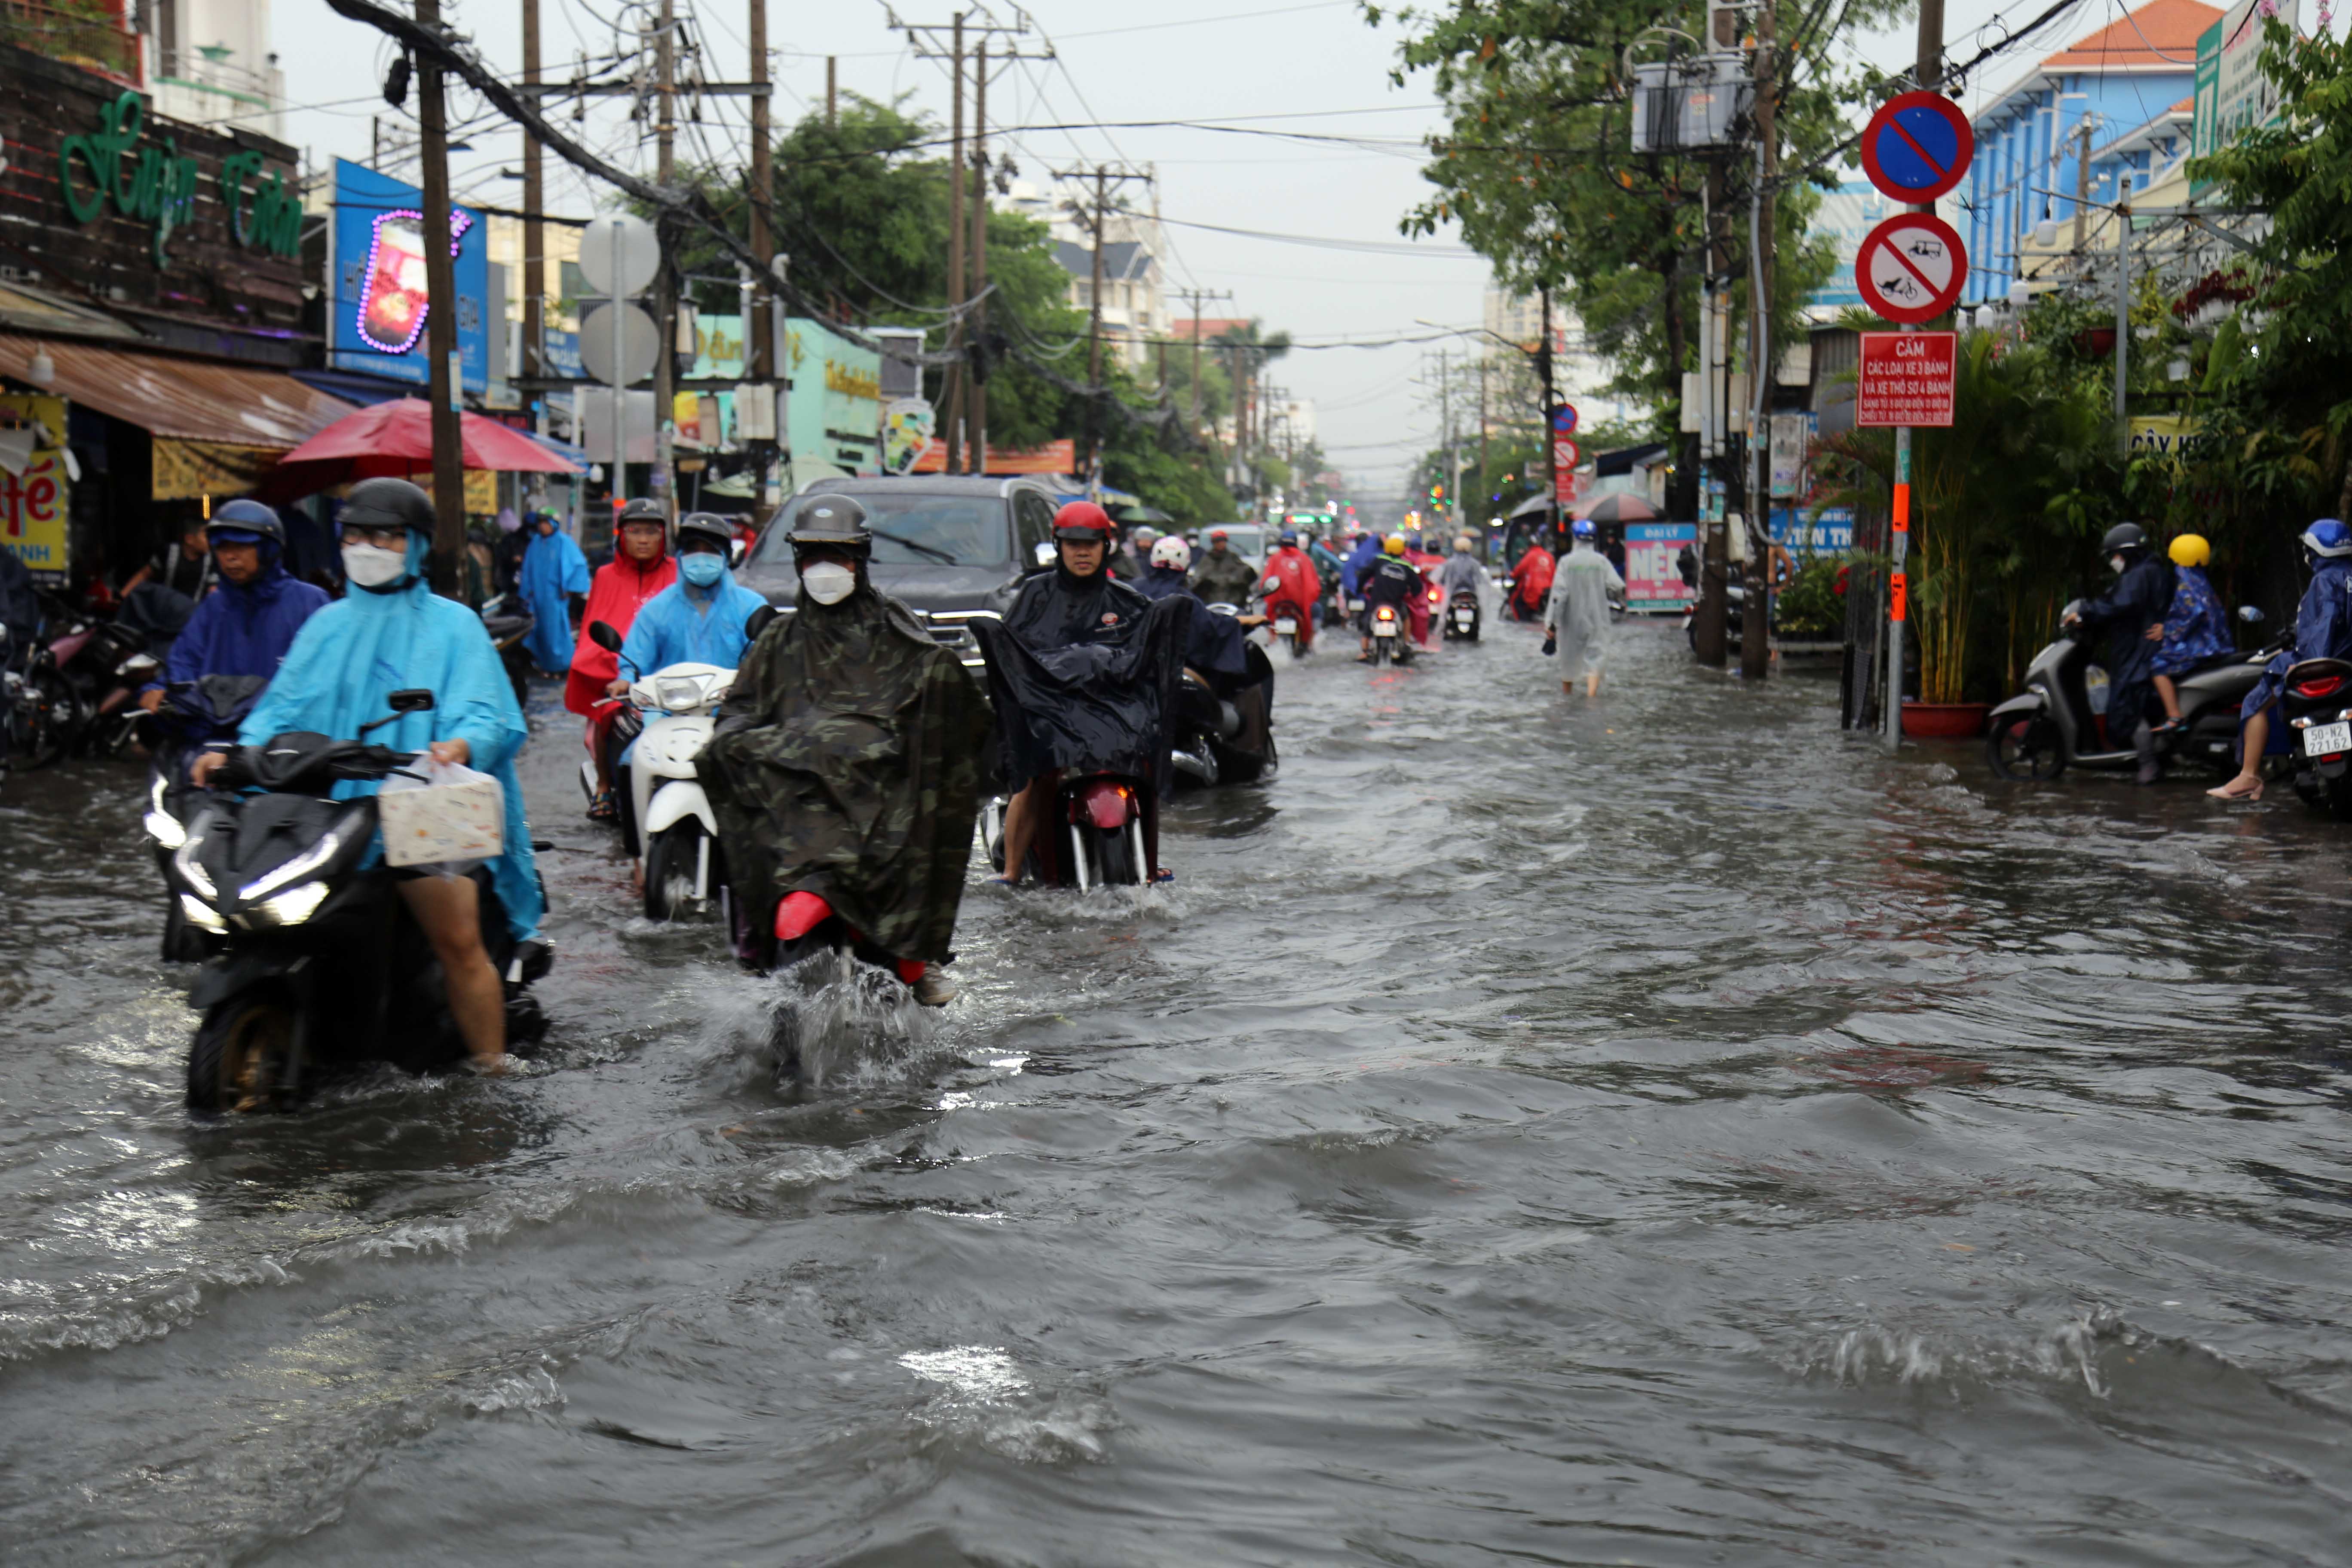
{"x": 759, "y": 621}
{"x": 415, "y": 699}
{"x": 1045, "y": 552}
{"x": 2250, "y": 613}
{"x": 602, "y": 634}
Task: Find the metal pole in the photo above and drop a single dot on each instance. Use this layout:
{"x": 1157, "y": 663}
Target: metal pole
{"x": 2122, "y": 299}
{"x": 1898, "y": 588}
{"x": 446, "y": 383}
{"x": 976, "y": 450}
{"x": 534, "y": 197}
{"x": 759, "y": 326}
{"x": 953, "y": 390}
{"x": 665, "y": 485}
{"x": 1093, "y": 329}
{"x": 620, "y": 485}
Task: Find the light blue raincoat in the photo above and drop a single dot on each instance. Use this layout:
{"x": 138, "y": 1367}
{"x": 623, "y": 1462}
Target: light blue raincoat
{"x": 348, "y": 661}
{"x": 687, "y": 624}
{"x": 552, "y": 571}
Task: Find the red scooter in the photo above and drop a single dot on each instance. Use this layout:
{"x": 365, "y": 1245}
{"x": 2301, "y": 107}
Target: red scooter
{"x": 1104, "y": 831}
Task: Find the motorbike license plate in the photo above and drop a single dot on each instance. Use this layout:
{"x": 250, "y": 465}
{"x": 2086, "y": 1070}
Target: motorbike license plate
{"x": 1463, "y": 617}
{"x": 2327, "y": 740}
{"x": 1384, "y": 628}
{"x": 1287, "y": 627}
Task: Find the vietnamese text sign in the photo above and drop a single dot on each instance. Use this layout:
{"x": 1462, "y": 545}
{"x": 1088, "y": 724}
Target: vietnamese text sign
{"x": 33, "y": 503}
{"x": 1911, "y": 267}
{"x": 1654, "y": 580}
{"x": 2233, "y": 95}
{"x": 1806, "y": 531}
{"x": 1906, "y": 378}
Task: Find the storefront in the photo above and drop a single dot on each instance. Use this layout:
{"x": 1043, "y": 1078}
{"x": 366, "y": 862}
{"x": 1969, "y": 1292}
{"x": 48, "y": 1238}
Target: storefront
{"x": 152, "y": 308}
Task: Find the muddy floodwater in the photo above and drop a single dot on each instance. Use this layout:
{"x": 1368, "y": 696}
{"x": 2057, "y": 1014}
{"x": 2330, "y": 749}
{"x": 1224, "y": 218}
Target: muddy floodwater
{"x": 1658, "y": 1129}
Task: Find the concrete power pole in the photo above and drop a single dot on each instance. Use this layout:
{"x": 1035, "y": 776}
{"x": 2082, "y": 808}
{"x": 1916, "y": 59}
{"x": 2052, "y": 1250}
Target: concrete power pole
{"x": 761, "y": 335}
{"x": 534, "y": 247}
{"x": 952, "y": 392}
{"x": 976, "y": 449}
{"x": 446, "y": 379}
{"x": 1755, "y": 632}
{"x": 1104, "y": 178}
{"x": 664, "y": 485}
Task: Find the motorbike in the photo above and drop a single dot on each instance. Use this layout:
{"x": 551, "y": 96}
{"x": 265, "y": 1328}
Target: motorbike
{"x": 1391, "y": 635}
{"x": 1093, "y": 837}
{"x": 1224, "y": 729}
{"x": 197, "y": 716}
{"x": 319, "y": 965}
{"x": 1462, "y": 616}
{"x": 614, "y": 727}
{"x": 509, "y": 620}
{"x": 2049, "y": 727}
{"x": 680, "y": 857}
{"x": 2313, "y": 702}
{"x": 1290, "y": 620}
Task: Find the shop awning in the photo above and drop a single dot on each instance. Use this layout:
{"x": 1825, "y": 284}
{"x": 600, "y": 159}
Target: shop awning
{"x": 188, "y": 400}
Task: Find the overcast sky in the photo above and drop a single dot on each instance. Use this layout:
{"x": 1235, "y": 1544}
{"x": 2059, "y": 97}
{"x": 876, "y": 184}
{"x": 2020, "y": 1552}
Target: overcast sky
{"x": 1308, "y": 66}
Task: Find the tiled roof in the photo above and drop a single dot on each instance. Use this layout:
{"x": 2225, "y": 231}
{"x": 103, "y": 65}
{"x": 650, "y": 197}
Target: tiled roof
{"x": 2160, "y": 32}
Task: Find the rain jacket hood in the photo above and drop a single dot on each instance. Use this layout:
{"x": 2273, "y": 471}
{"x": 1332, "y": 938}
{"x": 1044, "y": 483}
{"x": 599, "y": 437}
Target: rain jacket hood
{"x": 620, "y": 589}
{"x": 687, "y": 624}
{"x": 351, "y": 656}
{"x": 849, "y": 767}
{"x": 244, "y": 630}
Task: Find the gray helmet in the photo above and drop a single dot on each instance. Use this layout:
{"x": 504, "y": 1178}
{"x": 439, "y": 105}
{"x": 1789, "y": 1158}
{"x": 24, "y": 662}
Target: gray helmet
{"x": 642, "y": 511}
{"x": 836, "y": 521}
{"x": 709, "y": 526}
{"x": 2122, "y": 536}
{"x": 388, "y": 503}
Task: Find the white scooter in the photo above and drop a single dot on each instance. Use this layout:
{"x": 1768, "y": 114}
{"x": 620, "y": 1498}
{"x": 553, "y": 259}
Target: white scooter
{"x": 678, "y": 857}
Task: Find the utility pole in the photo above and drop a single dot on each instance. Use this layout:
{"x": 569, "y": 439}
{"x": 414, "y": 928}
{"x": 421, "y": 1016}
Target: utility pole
{"x": 1195, "y": 296}
{"x": 832, "y": 91}
{"x": 534, "y": 247}
{"x": 1543, "y": 423}
{"x": 666, "y": 284}
{"x": 1755, "y": 632}
{"x": 761, "y": 330}
{"x": 976, "y": 450}
{"x": 1104, "y": 178}
{"x": 2123, "y": 301}
{"x": 446, "y": 382}
{"x": 2081, "y": 183}
{"x": 953, "y": 391}
{"x": 1928, "y": 73}
{"x": 1709, "y": 621}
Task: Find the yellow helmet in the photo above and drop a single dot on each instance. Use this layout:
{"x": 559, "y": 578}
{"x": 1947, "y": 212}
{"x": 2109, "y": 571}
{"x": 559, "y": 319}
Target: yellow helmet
{"x": 1393, "y": 544}
{"x": 2191, "y": 549}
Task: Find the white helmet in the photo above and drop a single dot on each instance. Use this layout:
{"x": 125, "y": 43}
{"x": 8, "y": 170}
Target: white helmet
{"x": 1172, "y": 552}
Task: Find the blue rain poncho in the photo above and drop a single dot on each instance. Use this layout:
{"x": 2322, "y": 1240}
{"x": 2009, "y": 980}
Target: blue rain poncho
{"x": 687, "y": 624}
{"x": 2323, "y": 629}
{"x": 552, "y": 571}
{"x": 2195, "y": 630}
{"x": 348, "y": 661}
{"x": 244, "y": 630}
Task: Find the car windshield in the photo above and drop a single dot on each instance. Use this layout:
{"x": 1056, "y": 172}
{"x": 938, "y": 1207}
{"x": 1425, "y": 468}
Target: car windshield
{"x": 915, "y": 530}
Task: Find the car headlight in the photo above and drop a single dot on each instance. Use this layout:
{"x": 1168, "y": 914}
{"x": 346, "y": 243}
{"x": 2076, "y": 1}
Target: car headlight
{"x": 202, "y": 916}
{"x": 295, "y": 905}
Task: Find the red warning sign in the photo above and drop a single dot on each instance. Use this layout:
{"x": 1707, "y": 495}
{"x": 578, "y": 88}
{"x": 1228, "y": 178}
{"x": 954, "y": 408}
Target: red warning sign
{"x": 1906, "y": 378}
{"x": 1911, "y": 267}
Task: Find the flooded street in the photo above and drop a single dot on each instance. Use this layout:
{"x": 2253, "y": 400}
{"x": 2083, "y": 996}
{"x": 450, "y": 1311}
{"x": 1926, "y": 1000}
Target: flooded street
{"x": 1659, "y": 1130}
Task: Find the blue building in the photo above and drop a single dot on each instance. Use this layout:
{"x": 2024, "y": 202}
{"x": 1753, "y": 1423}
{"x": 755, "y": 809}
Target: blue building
{"x": 2132, "y": 83}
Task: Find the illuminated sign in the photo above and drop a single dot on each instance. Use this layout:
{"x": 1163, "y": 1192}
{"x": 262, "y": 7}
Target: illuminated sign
{"x": 159, "y": 185}
{"x": 393, "y": 301}
{"x": 377, "y": 318}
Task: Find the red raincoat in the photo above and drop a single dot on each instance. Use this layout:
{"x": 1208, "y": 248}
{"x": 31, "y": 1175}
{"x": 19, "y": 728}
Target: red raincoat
{"x": 616, "y": 594}
{"x": 1531, "y": 580}
{"x": 1297, "y": 582}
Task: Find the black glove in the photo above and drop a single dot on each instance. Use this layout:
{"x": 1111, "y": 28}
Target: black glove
{"x": 1551, "y": 647}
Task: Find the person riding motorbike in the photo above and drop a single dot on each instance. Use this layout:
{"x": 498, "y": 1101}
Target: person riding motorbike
{"x": 2194, "y": 628}
{"x": 2129, "y": 614}
{"x": 846, "y": 768}
{"x": 1460, "y": 574}
{"x": 696, "y": 619}
{"x": 1216, "y": 647}
{"x": 1531, "y": 582}
{"x": 1387, "y": 580}
{"x": 1222, "y": 576}
{"x": 248, "y": 623}
{"x": 640, "y": 568}
{"x": 2323, "y": 629}
{"x": 1291, "y": 575}
{"x": 554, "y": 582}
{"x": 1088, "y": 644}
{"x": 393, "y": 633}
{"x": 1133, "y": 559}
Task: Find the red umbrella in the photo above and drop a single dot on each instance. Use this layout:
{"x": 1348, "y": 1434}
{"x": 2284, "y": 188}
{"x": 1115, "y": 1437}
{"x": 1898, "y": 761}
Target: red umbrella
{"x": 396, "y": 438}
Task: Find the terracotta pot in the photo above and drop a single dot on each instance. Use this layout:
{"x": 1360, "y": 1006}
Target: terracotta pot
{"x": 1959, "y": 719}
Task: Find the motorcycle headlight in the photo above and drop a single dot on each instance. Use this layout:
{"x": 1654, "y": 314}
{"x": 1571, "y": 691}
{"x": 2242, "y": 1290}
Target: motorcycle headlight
{"x": 295, "y": 905}
{"x": 679, "y": 695}
{"x": 161, "y": 824}
{"x": 302, "y": 865}
{"x": 185, "y": 862}
{"x": 202, "y": 916}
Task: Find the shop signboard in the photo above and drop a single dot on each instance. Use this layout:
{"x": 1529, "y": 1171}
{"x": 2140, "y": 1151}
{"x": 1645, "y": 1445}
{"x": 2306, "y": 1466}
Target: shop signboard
{"x": 835, "y": 411}
{"x": 2233, "y": 95}
{"x": 1805, "y": 532}
{"x": 34, "y": 485}
{"x": 1653, "y": 581}
{"x": 2165, "y": 435}
{"x": 1792, "y": 439}
{"x": 377, "y": 321}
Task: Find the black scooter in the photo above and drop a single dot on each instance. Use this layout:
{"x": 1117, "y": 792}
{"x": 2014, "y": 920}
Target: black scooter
{"x": 2316, "y": 704}
{"x": 1462, "y": 616}
{"x": 2050, "y": 726}
{"x": 321, "y": 966}
{"x": 196, "y": 717}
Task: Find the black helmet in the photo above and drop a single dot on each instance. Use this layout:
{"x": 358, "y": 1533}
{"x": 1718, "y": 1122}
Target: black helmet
{"x": 243, "y": 516}
{"x": 2121, "y": 537}
{"x": 388, "y": 503}
{"x": 642, "y": 511}
{"x": 705, "y": 525}
{"x": 837, "y": 521}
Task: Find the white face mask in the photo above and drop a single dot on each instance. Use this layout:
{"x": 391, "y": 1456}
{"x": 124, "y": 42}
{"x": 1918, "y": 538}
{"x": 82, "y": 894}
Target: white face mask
{"x": 2116, "y": 564}
{"x": 828, "y": 584}
{"x": 372, "y": 568}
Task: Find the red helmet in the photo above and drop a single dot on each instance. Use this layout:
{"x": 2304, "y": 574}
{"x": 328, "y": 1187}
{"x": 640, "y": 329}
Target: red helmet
{"x": 1082, "y": 523}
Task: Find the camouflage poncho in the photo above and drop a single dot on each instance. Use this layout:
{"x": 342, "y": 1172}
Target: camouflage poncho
{"x": 849, "y": 766}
